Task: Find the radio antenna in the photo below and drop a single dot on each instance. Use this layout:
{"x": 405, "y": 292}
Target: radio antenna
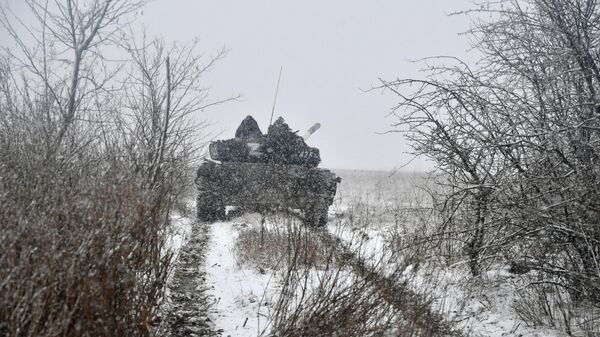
{"x": 276, "y": 92}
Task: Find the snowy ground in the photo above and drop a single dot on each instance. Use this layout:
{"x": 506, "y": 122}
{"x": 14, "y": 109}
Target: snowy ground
{"x": 241, "y": 296}
{"x": 482, "y": 307}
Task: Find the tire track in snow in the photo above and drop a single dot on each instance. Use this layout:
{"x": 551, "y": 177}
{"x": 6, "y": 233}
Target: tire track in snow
{"x": 189, "y": 301}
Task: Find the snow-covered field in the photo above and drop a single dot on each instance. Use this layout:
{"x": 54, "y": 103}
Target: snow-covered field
{"x": 482, "y": 307}
{"x": 364, "y": 217}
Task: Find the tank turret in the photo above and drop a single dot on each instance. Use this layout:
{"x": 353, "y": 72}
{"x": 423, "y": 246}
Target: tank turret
{"x": 280, "y": 145}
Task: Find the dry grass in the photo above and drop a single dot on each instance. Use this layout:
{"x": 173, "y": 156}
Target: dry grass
{"x": 419, "y": 238}
{"x": 270, "y": 246}
{"x": 82, "y": 253}
{"x": 330, "y": 288}
{"x": 545, "y": 304}
{"x": 360, "y": 296}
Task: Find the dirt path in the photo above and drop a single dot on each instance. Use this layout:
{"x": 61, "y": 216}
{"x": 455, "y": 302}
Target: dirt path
{"x": 189, "y": 301}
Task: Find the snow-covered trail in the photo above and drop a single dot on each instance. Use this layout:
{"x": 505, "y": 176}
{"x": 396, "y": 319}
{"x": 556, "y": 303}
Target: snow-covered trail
{"x": 241, "y": 295}
{"x": 209, "y": 294}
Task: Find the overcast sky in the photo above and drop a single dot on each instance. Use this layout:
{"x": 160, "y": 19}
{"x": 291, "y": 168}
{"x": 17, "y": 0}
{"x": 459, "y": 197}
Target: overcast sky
{"x": 330, "y": 52}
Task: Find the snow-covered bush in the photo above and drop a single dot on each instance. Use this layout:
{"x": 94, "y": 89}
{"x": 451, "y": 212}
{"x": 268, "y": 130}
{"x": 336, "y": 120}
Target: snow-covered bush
{"x": 93, "y": 156}
{"x": 515, "y": 138}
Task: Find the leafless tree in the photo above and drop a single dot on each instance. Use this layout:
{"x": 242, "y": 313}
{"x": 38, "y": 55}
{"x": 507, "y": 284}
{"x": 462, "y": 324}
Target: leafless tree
{"x": 93, "y": 155}
{"x": 65, "y": 61}
{"x": 516, "y": 136}
{"x": 161, "y": 91}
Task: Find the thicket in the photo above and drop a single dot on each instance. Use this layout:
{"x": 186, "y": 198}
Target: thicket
{"x": 95, "y": 143}
{"x": 515, "y": 138}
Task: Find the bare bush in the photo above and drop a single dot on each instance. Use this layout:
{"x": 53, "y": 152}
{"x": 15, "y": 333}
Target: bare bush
{"x": 515, "y": 140}
{"x": 93, "y": 156}
{"x": 83, "y": 254}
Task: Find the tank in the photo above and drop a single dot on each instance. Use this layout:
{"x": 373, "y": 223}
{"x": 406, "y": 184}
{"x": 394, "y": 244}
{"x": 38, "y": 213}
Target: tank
{"x": 275, "y": 171}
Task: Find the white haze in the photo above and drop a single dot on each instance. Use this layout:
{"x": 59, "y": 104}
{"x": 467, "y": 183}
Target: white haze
{"x": 331, "y": 52}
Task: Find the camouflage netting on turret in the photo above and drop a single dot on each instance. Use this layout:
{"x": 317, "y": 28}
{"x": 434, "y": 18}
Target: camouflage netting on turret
{"x": 280, "y": 145}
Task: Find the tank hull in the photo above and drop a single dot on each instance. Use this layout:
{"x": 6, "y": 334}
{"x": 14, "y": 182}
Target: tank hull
{"x": 260, "y": 186}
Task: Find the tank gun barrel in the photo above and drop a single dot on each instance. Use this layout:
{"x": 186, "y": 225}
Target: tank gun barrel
{"x": 311, "y": 130}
